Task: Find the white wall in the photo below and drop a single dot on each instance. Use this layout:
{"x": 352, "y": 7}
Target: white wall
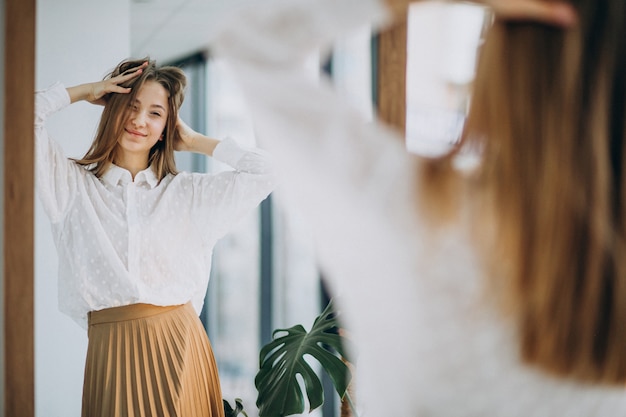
{"x": 77, "y": 41}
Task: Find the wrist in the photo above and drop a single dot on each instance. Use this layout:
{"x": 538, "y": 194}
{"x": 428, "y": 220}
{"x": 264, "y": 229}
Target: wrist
{"x": 203, "y": 144}
{"x": 79, "y": 92}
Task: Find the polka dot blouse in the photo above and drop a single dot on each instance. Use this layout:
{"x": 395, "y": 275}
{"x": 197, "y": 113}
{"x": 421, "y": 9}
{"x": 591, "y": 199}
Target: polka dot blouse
{"x": 121, "y": 241}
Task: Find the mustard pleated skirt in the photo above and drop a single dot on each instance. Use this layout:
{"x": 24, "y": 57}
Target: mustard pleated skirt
{"x": 150, "y": 361}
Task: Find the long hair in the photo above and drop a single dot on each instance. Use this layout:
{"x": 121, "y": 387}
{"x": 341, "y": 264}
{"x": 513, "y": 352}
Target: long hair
{"x": 102, "y": 151}
{"x": 548, "y": 114}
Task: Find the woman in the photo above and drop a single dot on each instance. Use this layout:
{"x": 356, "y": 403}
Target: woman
{"x": 491, "y": 291}
{"x": 135, "y": 237}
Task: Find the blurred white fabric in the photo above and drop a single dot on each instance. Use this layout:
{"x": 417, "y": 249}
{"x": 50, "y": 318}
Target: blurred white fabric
{"x": 428, "y": 341}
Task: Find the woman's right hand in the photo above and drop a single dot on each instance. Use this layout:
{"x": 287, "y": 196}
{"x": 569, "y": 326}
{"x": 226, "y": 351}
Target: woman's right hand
{"x": 96, "y": 92}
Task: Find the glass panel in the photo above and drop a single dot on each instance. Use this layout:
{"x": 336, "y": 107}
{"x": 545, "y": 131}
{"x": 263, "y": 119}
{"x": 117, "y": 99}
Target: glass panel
{"x": 232, "y": 312}
{"x": 234, "y": 299}
{"x": 232, "y": 304}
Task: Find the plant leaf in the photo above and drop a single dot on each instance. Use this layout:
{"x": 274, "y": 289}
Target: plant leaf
{"x": 281, "y": 360}
{"x": 230, "y": 412}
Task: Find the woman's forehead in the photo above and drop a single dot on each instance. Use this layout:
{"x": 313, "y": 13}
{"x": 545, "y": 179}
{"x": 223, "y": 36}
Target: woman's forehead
{"x": 152, "y": 93}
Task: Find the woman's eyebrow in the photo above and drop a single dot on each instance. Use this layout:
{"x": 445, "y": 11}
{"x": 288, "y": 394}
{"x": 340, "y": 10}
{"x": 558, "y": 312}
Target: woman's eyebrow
{"x": 137, "y": 101}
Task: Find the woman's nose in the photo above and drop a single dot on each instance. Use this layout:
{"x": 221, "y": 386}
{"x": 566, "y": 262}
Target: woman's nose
{"x": 138, "y": 119}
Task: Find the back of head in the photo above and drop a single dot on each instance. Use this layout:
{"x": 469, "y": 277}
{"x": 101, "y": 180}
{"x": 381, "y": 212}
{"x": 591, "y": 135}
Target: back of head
{"x": 548, "y": 115}
{"x": 102, "y": 150}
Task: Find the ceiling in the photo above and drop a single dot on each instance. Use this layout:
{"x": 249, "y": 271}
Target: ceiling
{"x": 168, "y": 30}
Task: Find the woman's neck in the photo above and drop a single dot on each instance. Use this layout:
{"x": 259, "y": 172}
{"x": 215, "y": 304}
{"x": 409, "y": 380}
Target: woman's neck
{"x": 133, "y": 163}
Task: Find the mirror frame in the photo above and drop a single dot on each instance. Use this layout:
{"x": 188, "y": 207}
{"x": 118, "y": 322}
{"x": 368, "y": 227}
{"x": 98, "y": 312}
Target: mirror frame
{"x": 18, "y": 207}
{"x": 391, "y": 74}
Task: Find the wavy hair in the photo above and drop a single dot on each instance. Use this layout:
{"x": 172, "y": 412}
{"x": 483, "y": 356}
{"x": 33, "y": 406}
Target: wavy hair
{"x": 161, "y": 158}
{"x": 548, "y": 115}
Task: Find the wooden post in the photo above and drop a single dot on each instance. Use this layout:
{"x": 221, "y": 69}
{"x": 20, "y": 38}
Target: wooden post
{"x": 391, "y": 83}
{"x": 18, "y": 244}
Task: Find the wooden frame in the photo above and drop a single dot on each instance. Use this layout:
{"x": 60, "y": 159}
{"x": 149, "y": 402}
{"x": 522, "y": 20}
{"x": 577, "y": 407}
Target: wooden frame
{"x": 391, "y": 82}
{"x": 19, "y": 85}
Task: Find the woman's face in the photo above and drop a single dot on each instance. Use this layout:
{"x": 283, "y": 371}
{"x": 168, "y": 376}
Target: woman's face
{"x": 146, "y": 120}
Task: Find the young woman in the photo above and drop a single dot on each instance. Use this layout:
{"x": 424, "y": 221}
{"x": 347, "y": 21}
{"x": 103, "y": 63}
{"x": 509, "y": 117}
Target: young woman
{"x": 496, "y": 290}
{"x": 135, "y": 237}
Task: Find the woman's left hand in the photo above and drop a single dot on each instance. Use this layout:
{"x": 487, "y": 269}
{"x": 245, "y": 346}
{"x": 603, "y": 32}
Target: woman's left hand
{"x": 189, "y": 140}
{"x": 185, "y": 138}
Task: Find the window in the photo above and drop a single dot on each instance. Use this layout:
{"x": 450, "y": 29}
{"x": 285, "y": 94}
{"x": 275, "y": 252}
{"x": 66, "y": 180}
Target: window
{"x": 264, "y": 273}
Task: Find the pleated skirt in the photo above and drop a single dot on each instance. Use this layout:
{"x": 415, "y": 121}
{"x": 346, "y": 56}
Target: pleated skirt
{"x": 150, "y": 361}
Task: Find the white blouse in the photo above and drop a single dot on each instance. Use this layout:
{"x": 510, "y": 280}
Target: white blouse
{"x": 428, "y": 340}
{"x": 121, "y": 241}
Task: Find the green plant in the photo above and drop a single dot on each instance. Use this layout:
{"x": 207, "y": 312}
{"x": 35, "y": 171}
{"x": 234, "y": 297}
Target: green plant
{"x": 281, "y": 360}
{"x": 229, "y": 411}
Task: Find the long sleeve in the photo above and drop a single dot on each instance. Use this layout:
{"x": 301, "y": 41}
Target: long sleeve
{"x": 343, "y": 173}
{"x": 223, "y": 199}
{"x": 55, "y": 174}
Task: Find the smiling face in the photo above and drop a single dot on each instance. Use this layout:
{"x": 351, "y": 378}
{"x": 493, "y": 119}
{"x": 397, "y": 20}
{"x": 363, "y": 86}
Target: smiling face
{"x": 147, "y": 117}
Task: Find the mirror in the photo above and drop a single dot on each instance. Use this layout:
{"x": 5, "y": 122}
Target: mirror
{"x": 279, "y": 284}
{"x": 252, "y": 289}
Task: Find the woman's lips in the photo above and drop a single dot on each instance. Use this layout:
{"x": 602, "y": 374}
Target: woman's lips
{"x": 135, "y": 133}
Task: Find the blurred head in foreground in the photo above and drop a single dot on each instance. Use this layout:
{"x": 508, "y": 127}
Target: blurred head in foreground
{"x": 548, "y": 115}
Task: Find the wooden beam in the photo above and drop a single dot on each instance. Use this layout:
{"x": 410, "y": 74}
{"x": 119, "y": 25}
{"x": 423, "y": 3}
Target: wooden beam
{"x": 391, "y": 83}
{"x": 19, "y": 85}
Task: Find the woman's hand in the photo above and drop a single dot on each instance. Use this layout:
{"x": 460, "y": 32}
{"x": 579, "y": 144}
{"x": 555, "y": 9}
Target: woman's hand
{"x": 189, "y": 140}
{"x": 185, "y": 138}
{"x": 96, "y": 92}
{"x": 559, "y": 13}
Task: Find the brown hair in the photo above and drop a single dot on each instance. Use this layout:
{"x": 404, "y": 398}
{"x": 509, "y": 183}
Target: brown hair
{"x": 548, "y": 114}
{"x": 161, "y": 158}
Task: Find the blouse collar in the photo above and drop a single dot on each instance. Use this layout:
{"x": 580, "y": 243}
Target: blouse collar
{"x": 116, "y": 176}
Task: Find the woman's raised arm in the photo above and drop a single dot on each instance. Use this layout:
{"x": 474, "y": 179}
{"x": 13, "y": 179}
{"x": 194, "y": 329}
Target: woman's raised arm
{"x": 96, "y": 92}
{"x": 189, "y": 140}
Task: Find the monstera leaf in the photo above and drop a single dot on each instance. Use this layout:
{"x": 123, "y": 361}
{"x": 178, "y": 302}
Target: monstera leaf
{"x": 281, "y": 360}
{"x": 229, "y": 411}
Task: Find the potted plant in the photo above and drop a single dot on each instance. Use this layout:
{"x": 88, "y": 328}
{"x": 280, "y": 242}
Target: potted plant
{"x": 282, "y": 359}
